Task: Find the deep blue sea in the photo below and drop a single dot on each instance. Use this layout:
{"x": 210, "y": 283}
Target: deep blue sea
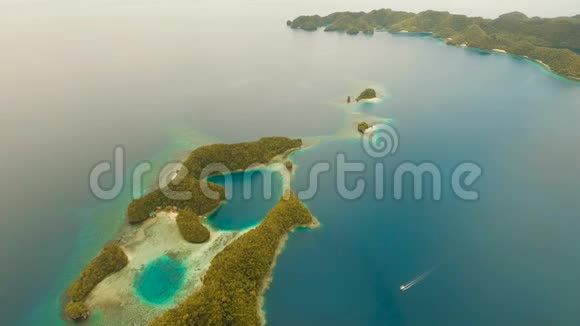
{"x": 163, "y": 78}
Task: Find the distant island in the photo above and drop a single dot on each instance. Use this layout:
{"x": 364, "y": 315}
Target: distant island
{"x": 553, "y": 42}
{"x": 362, "y": 127}
{"x": 367, "y": 94}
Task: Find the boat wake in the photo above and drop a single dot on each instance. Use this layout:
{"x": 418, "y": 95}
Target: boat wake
{"x": 417, "y": 279}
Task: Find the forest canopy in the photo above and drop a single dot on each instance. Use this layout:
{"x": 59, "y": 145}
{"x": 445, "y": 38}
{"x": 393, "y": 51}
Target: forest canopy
{"x": 110, "y": 260}
{"x": 191, "y": 227}
{"x": 239, "y": 156}
{"x": 233, "y": 157}
{"x": 140, "y": 209}
{"x": 367, "y": 94}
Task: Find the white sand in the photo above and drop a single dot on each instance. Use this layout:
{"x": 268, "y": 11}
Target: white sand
{"x": 543, "y": 64}
{"x": 499, "y": 51}
{"x": 286, "y": 175}
{"x": 371, "y": 100}
{"x": 158, "y": 236}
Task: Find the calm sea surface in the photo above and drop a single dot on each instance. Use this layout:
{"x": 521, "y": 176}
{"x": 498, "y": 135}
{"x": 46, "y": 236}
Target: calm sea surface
{"x": 160, "y": 79}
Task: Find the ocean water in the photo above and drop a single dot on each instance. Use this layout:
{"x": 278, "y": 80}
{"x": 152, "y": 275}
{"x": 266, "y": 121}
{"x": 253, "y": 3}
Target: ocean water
{"x": 508, "y": 258}
{"x": 252, "y": 195}
{"x": 163, "y": 78}
{"x": 160, "y": 280}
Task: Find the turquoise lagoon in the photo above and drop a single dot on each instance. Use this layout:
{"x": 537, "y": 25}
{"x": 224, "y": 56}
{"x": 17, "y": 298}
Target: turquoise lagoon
{"x": 160, "y": 280}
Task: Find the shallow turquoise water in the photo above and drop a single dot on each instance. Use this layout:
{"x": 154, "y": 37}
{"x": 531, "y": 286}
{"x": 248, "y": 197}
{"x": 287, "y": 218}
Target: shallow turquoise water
{"x": 246, "y": 208}
{"x": 160, "y": 280}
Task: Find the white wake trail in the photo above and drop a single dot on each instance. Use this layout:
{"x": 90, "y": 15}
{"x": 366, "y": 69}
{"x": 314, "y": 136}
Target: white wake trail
{"x": 417, "y": 279}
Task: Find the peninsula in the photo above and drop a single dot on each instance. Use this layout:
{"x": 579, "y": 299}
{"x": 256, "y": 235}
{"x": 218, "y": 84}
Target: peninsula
{"x": 553, "y": 42}
{"x": 238, "y": 276}
{"x": 110, "y": 260}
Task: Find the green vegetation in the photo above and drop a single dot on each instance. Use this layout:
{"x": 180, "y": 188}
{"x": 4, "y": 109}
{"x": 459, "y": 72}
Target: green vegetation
{"x": 233, "y": 156}
{"x": 140, "y": 209}
{"x": 76, "y": 311}
{"x": 190, "y": 227}
{"x": 367, "y": 94}
{"x": 239, "y": 156}
{"x": 550, "y": 40}
{"x": 237, "y": 275}
{"x": 362, "y": 127}
{"x": 110, "y": 260}
{"x": 185, "y": 193}
{"x": 288, "y": 164}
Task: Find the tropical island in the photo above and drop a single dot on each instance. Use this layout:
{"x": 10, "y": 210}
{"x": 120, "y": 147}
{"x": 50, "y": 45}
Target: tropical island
{"x": 362, "y": 127}
{"x": 253, "y": 251}
{"x": 367, "y": 94}
{"x": 553, "y": 42}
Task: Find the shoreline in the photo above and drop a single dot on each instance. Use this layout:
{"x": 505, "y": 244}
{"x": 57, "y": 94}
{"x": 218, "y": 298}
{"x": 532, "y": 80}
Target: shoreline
{"x": 500, "y": 51}
{"x": 466, "y": 45}
{"x": 556, "y": 48}
{"x": 268, "y": 279}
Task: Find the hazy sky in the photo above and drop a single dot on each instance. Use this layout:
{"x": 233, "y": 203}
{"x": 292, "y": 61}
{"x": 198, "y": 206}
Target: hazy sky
{"x": 487, "y": 8}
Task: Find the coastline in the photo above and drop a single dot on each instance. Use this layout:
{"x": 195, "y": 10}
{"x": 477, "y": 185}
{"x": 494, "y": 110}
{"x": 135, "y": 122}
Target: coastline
{"x": 268, "y": 279}
{"x": 555, "y": 49}
{"x": 500, "y": 51}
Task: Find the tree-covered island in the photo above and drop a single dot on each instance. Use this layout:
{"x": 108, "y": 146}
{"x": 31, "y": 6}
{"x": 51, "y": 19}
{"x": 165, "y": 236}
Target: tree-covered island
{"x": 367, "y": 94}
{"x": 362, "y": 127}
{"x": 551, "y": 41}
{"x": 267, "y": 236}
